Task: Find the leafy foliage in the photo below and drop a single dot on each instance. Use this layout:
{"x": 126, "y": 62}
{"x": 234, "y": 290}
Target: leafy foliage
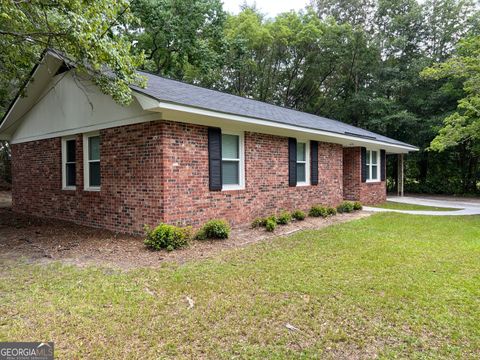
{"x": 331, "y": 211}
{"x": 270, "y": 225}
{"x": 258, "y": 222}
{"x": 357, "y": 205}
{"x": 214, "y": 229}
{"x": 462, "y": 128}
{"x": 284, "y": 218}
{"x": 89, "y": 33}
{"x": 180, "y": 38}
{"x": 346, "y": 207}
{"x": 166, "y": 236}
{"x": 317, "y": 211}
{"x": 299, "y": 215}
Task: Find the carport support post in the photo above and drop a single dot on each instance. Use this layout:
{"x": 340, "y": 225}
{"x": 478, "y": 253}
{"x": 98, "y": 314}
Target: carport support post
{"x": 400, "y": 175}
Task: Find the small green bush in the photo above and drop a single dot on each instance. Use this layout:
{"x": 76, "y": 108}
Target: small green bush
{"x": 331, "y": 211}
{"x": 165, "y": 236}
{"x": 271, "y": 217}
{"x": 284, "y": 218}
{"x": 214, "y": 229}
{"x": 317, "y": 211}
{"x": 298, "y": 215}
{"x": 270, "y": 225}
{"x": 258, "y": 222}
{"x": 357, "y": 205}
{"x": 345, "y": 207}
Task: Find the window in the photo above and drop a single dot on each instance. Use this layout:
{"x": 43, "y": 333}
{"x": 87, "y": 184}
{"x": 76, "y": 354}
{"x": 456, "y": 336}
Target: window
{"x": 373, "y": 161}
{"x": 232, "y": 161}
{"x": 91, "y": 153}
{"x": 69, "y": 168}
{"x": 302, "y": 163}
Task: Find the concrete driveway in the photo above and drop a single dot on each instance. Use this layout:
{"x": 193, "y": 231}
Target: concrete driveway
{"x": 465, "y": 207}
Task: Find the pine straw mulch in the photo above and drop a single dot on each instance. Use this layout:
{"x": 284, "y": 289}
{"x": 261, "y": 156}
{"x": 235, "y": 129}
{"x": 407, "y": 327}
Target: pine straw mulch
{"x": 39, "y": 240}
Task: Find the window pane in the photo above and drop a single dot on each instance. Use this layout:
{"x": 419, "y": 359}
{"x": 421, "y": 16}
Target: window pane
{"x": 374, "y": 172}
{"x": 94, "y": 148}
{"x": 300, "y": 151}
{"x": 70, "y": 145}
{"x": 230, "y": 173}
{"x": 230, "y": 144}
{"x": 70, "y": 174}
{"x": 94, "y": 173}
{"x": 374, "y": 157}
{"x": 368, "y": 156}
{"x": 301, "y": 177}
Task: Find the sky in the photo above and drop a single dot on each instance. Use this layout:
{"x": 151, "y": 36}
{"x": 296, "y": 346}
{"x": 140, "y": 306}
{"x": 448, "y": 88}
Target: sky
{"x": 269, "y": 7}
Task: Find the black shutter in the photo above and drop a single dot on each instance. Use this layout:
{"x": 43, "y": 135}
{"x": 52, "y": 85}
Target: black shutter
{"x": 292, "y": 162}
{"x": 364, "y": 164}
{"x": 382, "y": 164}
{"x": 215, "y": 158}
{"x": 314, "y": 162}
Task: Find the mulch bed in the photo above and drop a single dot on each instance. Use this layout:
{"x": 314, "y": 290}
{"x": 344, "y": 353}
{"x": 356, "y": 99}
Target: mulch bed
{"x": 41, "y": 240}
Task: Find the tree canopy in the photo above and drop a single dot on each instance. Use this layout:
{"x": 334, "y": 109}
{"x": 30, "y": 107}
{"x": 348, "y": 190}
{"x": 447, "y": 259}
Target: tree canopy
{"x": 88, "y": 32}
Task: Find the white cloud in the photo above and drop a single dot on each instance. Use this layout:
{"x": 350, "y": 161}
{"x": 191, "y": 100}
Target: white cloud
{"x": 269, "y": 7}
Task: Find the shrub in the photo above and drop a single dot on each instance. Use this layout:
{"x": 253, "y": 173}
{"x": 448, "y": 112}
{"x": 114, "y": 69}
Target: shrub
{"x": 331, "y": 211}
{"x": 298, "y": 215}
{"x": 270, "y": 225}
{"x": 214, "y": 229}
{"x": 357, "y": 205}
{"x": 258, "y": 222}
{"x": 284, "y": 218}
{"x": 317, "y": 211}
{"x": 345, "y": 207}
{"x": 272, "y": 218}
{"x": 166, "y": 237}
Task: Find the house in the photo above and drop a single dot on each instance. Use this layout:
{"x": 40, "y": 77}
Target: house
{"x": 178, "y": 154}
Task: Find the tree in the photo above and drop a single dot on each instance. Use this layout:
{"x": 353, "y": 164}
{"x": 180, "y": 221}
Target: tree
{"x": 357, "y": 13}
{"x": 87, "y": 32}
{"x": 182, "y": 39}
{"x": 462, "y": 128}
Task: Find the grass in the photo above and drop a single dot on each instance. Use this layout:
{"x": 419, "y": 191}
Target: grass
{"x": 401, "y": 206}
{"x": 391, "y": 285}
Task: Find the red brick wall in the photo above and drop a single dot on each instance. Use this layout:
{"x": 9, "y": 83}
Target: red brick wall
{"x": 131, "y": 192}
{"x": 158, "y": 171}
{"x": 189, "y": 201}
{"x": 354, "y": 188}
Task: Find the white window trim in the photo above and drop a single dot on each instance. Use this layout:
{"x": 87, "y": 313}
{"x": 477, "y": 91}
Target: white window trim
{"x": 64, "y": 163}
{"x": 241, "y": 160}
{"x": 307, "y": 163}
{"x": 86, "y": 167}
{"x": 369, "y": 167}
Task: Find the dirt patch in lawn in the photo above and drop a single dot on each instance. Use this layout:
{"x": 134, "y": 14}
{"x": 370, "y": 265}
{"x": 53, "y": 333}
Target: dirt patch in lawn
{"x": 44, "y": 240}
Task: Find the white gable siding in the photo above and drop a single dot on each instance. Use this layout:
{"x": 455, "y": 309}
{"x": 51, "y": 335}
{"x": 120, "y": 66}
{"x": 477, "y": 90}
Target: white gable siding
{"x": 71, "y": 104}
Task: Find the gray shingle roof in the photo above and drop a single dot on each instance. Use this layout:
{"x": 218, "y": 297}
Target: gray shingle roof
{"x": 181, "y": 93}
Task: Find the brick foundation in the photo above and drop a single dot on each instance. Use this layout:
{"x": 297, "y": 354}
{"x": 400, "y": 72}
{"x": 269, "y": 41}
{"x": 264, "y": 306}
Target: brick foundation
{"x": 158, "y": 171}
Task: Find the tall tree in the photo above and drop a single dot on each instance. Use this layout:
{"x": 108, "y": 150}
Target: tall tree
{"x": 85, "y": 31}
{"x": 462, "y": 128}
{"x": 181, "y": 38}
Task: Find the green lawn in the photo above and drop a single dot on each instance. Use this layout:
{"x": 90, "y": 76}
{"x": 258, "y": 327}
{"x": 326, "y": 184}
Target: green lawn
{"x": 391, "y": 285}
{"x": 401, "y": 206}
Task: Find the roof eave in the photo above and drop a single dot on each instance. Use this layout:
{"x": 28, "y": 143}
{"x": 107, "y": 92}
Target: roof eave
{"x": 151, "y": 103}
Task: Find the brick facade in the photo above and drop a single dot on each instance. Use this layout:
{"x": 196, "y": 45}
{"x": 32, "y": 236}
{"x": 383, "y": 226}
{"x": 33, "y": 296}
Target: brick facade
{"x": 188, "y": 200}
{"x": 158, "y": 171}
{"x": 354, "y": 189}
{"x": 131, "y": 193}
